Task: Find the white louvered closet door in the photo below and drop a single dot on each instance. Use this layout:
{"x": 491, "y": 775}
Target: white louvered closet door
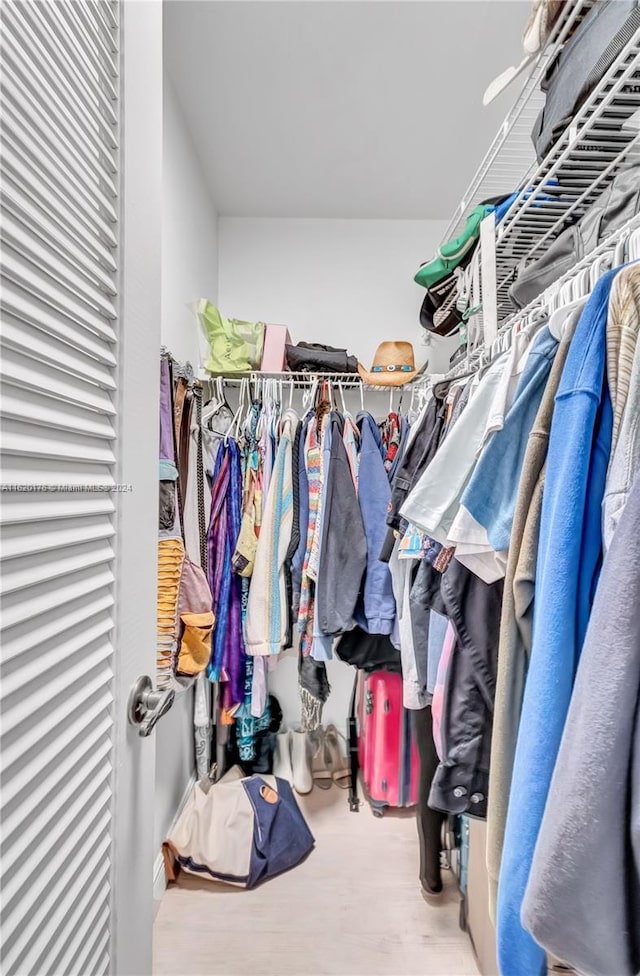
{"x": 61, "y": 244}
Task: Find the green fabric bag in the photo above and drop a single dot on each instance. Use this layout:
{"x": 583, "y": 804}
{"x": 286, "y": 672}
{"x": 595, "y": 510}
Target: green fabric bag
{"x": 236, "y": 347}
{"x": 451, "y": 254}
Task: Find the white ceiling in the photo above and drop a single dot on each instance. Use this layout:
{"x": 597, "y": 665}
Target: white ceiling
{"x": 340, "y": 108}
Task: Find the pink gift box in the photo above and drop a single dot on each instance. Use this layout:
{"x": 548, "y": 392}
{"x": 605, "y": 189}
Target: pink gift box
{"x": 276, "y": 338}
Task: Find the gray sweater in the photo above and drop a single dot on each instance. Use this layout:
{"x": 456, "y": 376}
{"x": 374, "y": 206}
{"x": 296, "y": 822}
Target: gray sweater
{"x": 583, "y": 897}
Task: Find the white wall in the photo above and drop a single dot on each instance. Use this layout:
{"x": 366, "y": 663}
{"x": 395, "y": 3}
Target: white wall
{"x": 189, "y": 233}
{"x": 342, "y": 282}
{"x": 189, "y": 272}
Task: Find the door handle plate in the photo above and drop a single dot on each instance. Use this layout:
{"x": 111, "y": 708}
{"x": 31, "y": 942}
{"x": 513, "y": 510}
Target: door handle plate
{"x": 146, "y": 706}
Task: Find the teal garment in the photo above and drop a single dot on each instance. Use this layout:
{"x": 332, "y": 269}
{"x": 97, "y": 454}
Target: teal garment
{"x": 168, "y": 470}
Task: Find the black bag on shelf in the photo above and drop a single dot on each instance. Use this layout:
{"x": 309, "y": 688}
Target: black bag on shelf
{"x": 613, "y": 208}
{"x": 312, "y": 357}
{"x": 580, "y": 65}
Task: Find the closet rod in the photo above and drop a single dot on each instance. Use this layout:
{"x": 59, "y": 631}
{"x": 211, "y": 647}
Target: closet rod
{"x": 542, "y": 302}
{"x": 301, "y": 380}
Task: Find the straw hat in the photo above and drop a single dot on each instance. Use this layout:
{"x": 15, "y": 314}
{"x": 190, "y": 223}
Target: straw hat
{"x": 393, "y": 365}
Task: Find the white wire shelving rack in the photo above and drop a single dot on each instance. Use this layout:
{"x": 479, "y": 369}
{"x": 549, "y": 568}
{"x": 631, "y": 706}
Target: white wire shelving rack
{"x": 561, "y": 188}
{"x": 607, "y": 249}
{"x": 511, "y": 156}
{"x": 303, "y": 380}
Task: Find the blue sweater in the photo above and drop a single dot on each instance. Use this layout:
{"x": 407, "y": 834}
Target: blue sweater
{"x": 568, "y": 564}
{"x": 378, "y": 613}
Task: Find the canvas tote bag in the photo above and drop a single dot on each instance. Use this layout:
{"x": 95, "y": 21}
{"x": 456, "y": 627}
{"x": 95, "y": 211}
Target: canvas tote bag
{"x": 241, "y": 830}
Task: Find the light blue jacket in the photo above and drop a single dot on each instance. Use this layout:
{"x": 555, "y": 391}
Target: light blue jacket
{"x": 569, "y": 558}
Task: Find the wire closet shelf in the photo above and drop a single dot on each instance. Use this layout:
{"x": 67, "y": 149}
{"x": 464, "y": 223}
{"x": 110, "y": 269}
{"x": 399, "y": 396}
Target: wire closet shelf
{"x": 303, "y": 380}
{"x": 606, "y": 254}
{"x": 562, "y": 187}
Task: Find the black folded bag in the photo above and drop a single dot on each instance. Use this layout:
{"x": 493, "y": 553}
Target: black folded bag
{"x": 312, "y": 357}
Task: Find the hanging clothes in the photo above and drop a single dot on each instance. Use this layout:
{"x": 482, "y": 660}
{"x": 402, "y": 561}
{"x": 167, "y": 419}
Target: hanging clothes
{"x": 343, "y": 551}
{"x": 566, "y": 575}
{"x": 377, "y": 611}
{"x": 481, "y": 529}
{"x": 514, "y": 645}
{"x": 267, "y": 616}
{"x": 228, "y": 653}
{"x": 582, "y": 899}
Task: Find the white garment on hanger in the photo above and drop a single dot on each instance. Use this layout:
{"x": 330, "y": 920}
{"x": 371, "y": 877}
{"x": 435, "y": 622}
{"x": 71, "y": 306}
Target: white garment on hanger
{"x": 505, "y": 391}
{"x": 413, "y": 693}
{"x": 434, "y": 501}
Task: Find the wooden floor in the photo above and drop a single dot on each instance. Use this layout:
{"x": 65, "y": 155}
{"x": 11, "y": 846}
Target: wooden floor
{"x": 352, "y": 909}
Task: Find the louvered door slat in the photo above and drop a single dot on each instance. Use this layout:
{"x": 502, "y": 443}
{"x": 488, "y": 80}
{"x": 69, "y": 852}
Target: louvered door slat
{"x": 22, "y": 638}
{"x": 12, "y": 161}
{"x": 36, "y": 280}
{"x": 34, "y": 151}
{"x": 55, "y": 234}
{"x": 53, "y": 768}
{"x": 54, "y": 264}
{"x": 75, "y": 904}
{"x": 67, "y": 29}
{"x": 59, "y": 162}
{"x": 21, "y": 369}
{"x": 24, "y": 405}
{"x": 91, "y": 947}
{"x": 97, "y": 28}
{"x": 29, "y": 103}
{"x": 47, "y": 787}
{"x": 70, "y": 100}
{"x": 33, "y": 312}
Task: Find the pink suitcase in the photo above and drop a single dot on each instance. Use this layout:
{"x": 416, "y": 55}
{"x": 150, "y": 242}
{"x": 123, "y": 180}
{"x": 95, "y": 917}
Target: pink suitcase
{"x": 387, "y": 752}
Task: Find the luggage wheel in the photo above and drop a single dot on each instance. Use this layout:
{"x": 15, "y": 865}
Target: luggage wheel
{"x": 378, "y": 812}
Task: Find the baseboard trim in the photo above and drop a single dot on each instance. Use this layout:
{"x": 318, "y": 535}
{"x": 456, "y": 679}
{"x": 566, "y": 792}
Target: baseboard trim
{"x": 159, "y": 881}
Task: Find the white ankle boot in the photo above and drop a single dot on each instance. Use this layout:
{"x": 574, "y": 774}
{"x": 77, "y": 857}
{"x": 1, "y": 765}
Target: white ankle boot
{"x": 282, "y": 757}
{"x": 301, "y": 762}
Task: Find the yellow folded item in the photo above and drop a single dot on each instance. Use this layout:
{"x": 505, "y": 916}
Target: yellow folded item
{"x": 195, "y": 645}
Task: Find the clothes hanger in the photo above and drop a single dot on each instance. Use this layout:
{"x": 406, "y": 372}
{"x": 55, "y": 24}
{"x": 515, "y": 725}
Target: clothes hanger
{"x": 217, "y": 401}
{"x": 309, "y": 395}
{"x": 599, "y": 266}
{"x": 621, "y": 250}
{"x": 573, "y": 296}
{"x": 341, "y": 391}
{"x": 235, "y": 421}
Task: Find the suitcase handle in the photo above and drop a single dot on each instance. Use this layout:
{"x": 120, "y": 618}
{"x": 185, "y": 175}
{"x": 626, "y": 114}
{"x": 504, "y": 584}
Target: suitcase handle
{"x": 352, "y": 738}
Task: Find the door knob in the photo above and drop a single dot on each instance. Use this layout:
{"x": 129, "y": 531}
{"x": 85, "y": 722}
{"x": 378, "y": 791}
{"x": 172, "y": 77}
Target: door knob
{"x": 146, "y": 706}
